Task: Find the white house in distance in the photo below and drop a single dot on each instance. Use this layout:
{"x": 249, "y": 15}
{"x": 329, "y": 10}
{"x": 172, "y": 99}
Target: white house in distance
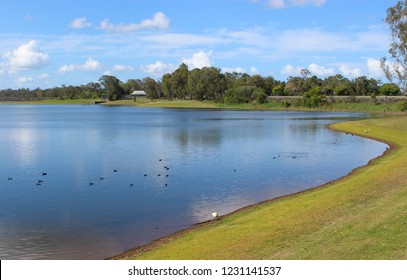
{"x": 138, "y": 93}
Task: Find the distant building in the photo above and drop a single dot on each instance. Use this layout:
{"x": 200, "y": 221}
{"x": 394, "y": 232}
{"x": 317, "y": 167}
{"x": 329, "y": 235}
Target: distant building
{"x": 138, "y": 93}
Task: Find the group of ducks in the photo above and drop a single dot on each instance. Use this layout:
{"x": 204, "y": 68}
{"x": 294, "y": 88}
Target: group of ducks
{"x": 132, "y": 184}
{"x": 38, "y": 183}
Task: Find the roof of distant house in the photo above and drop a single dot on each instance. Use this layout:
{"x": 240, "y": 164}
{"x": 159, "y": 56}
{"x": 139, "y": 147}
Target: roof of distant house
{"x": 138, "y": 93}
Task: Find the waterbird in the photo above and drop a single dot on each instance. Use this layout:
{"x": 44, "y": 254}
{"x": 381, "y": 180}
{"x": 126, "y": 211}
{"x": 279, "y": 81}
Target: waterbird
{"x": 115, "y": 170}
{"x": 9, "y": 178}
{"x": 215, "y": 215}
{"x": 44, "y": 174}
{"x": 145, "y": 174}
{"x": 167, "y": 175}
{"x": 38, "y": 184}
{"x": 160, "y": 159}
{"x": 131, "y": 185}
{"x": 101, "y": 178}
{"x": 91, "y": 184}
{"x": 39, "y": 181}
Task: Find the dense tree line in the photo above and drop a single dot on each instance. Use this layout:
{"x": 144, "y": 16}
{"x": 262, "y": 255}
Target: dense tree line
{"x": 209, "y": 83}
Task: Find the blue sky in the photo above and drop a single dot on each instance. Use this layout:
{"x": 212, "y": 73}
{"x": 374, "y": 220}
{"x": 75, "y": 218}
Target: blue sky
{"x": 50, "y": 43}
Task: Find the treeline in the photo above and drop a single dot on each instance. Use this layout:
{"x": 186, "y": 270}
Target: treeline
{"x": 209, "y": 83}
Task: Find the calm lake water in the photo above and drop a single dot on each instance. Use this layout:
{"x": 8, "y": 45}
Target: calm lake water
{"x": 88, "y": 182}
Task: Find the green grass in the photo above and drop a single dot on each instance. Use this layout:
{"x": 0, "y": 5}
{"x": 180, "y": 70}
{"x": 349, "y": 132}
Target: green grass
{"x": 361, "y": 216}
{"x": 271, "y": 105}
{"x": 144, "y": 102}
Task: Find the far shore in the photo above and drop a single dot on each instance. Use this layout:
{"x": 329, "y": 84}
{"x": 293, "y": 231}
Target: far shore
{"x": 387, "y": 105}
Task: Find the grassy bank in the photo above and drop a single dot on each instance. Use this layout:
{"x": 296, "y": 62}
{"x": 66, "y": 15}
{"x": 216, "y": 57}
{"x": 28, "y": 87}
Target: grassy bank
{"x": 361, "y": 216}
{"x": 271, "y": 105}
{"x": 162, "y": 103}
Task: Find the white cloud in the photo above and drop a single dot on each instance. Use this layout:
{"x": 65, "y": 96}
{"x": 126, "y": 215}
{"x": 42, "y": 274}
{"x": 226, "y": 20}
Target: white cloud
{"x": 67, "y": 68}
{"x": 281, "y": 4}
{"x": 80, "y": 23}
{"x": 2, "y": 68}
{"x": 349, "y": 72}
{"x": 317, "y": 40}
{"x": 26, "y": 57}
{"x": 21, "y": 81}
{"x": 315, "y": 69}
{"x": 159, "y": 21}
{"x": 307, "y": 2}
{"x": 291, "y": 70}
{"x": 44, "y": 76}
{"x": 233, "y": 70}
{"x": 119, "y": 68}
{"x": 374, "y": 68}
{"x": 276, "y": 4}
{"x": 198, "y": 60}
{"x": 181, "y": 40}
{"x": 253, "y": 70}
{"x": 89, "y": 65}
{"x": 158, "y": 68}
{"x": 320, "y": 70}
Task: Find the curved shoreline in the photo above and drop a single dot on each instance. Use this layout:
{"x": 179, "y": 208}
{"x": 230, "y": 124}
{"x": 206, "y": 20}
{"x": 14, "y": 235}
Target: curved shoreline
{"x": 134, "y": 252}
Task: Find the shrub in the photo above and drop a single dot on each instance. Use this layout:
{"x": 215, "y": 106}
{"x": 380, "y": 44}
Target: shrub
{"x": 286, "y": 103}
{"x": 374, "y": 99}
{"x": 245, "y": 94}
{"x": 402, "y": 106}
{"x": 259, "y": 96}
{"x": 313, "y": 98}
{"x": 389, "y": 90}
{"x": 278, "y": 90}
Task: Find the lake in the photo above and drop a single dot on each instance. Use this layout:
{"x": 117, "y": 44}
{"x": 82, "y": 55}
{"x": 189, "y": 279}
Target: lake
{"x": 88, "y": 182}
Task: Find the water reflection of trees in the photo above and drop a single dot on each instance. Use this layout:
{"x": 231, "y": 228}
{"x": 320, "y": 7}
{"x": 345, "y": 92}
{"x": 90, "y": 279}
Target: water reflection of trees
{"x": 193, "y": 138}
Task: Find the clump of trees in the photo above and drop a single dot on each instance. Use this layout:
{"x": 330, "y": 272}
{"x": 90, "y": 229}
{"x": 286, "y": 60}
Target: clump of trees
{"x": 209, "y": 83}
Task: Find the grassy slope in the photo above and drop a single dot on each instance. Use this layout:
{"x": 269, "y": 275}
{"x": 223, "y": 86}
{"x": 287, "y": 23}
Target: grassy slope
{"x": 272, "y": 105}
{"x": 362, "y": 216}
{"x": 143, "y": 102}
